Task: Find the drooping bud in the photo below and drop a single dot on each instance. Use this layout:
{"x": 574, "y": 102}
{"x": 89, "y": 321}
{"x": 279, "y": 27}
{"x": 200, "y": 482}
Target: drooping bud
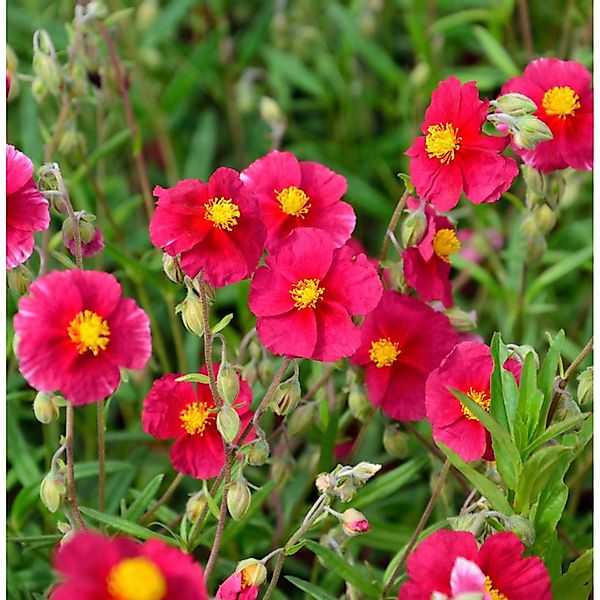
{"x": 358, "y": 403}
{"x": 461, "y": 320}
{"x": 354, "y": 522}
{"x": 413, "y": 228}
{"x": 45, "y": 407}
{"x": 522, "y": 528}
{"x": 300, "y": 421}
{"x": 286, "y": 396}
{"x": 257, "y": 452}
{"x": 53, "y": 488}
{"x": 395, "y": 442}
{"x": 191, "y": 313}
{"x": 529, "y": 131}
{"x": 19, "y": 279}
{"x": 545, "y": 218}
{"x": 228, "y": 384}
{"x": 514, "y": 104}
{"x": 228, "y": 423}
{"x": 585, "y": 388}
{"x": 194, "y": 506}
{"x": 238, "y": 499}
{"x": 253, "y": 572}
{"x": 171, "y": 268}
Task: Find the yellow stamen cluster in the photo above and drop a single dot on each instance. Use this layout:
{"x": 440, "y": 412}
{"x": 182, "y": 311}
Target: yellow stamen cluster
{"x": 194, "y": 417}
{"x": 445, "y": 243}
{"x": 306, "y": 293}
{"x": 293, "y": 201}
{"x": 89, "y": 331}
{"x": 561, "y": 101}
{"x": 442, "y": 142}
{"x": 481, "y": 398}
{"x": 493, "y": 592}
{"x": 136, "y": 579}
{"x": 223, "y": 213}
{"x": 384, "y": 352}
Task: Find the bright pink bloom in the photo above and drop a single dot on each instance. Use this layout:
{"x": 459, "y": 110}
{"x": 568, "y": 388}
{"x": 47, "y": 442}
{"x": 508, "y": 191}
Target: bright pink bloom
{"x": 75, "y": 332}
{"x": 96, "y": 567}
{"x": 306, "y": 295}
{"x": 507, "y": 574}
{"x": 235, "y": 587}
{"x": 427, "y": 266}
{"x": 403, "y": 340}
{"x": 91, "y": 248}
{"x": 182, "y": 410}
{"x": 215, "y": 226}
{"x": 453, "y": 155}
{"x": 468, "y": 369}
{"x": 565, "y": 100}
{"x": 26, "y": 208}
{"x": 293, "y": 194}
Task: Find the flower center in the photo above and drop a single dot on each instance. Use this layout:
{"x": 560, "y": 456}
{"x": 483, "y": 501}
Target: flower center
{"x": 222, "y": 212}
{"x": 442, "y": 142}
{"x": 445, "y": 243}
{"x": 136, "y": 579}
{"x": 481, "y": 398}
{"x": 89, "y": 331}
{"x": 293, "y": 201}
{"x": 493, "y": 592}
{"x": 194, "y": 417}
{"x": 561, "y": 101}
{"x": 306, "y": 293}
{"x": 384, "y": 352}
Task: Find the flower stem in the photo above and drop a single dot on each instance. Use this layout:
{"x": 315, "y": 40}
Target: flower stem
{"x": 168, "y": 493}
{"x": 208, "y": 344}
{"x": 101, "y": 456}
{"x": 392, "y": 227}
{"x": 71, "y": 494}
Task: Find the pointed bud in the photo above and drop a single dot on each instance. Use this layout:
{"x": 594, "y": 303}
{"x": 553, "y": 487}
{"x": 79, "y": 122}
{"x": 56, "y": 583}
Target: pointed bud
{"x": 556, "y": 189}
{"x": 45, "y": 407}
{"x": 529, "y": 131}
{"x": 461, "y": 320}
{"x": 86, "y": 231}
{"x": 171, "y": 268}
{"x": 257, "y": 453}
{"x": 359, "y": 405}
{"x": 228, "y": 384}
{"x": 300, "y": 421}
{"x": 545, "y": 218}
{"x": 522, "y": 528}
{"x": 286, "y": 397}
{"x": 194, "y": 506}
{"x": 19, "y": 279}
{"x": 228, "y": 423}
{"x": 585, "y": 388}
{"x": 534, "y": 180}
{"x": 191, "y": 313}
{"x": 413, "y": 228}
{"x": 238, "y": 499}
{"x": 514, "y": 104}
{"x": 354, "y": 522}
{"x": 53, "y": 488}
{"x": 395, "y": 442}
{"x": 253, "y": 572}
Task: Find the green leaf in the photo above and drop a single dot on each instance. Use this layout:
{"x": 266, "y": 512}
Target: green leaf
{"x": 497, "y": 407}
{"x": 576, "y": 583}
{"x": 288, "y": 67}
{"x": 222, "y": 323}
{"x": 312, "y": 590}
{"x": 555, "y": 430}
{"x": 349, "y": 573}
{"x": 202, "y": 147}
{"x": 550, "y": 506}
{"x": 459, "y": 18}
{"x": 19, "y": 453}
{"x": 530, "y": 398}
{"x": 546, "y": 377}
{"x": 496, "y": 54}
{"x": 294, "y": 548}
{"x": 194, "y": 378}
{"x": 142, "y": 502}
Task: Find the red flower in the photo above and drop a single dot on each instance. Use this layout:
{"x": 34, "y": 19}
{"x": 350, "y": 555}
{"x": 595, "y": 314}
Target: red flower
{"x": 182, "y": 410}
{"x": 468, "y": 369}
{"x": 236, "y": 587}
{"x": 96, "y": 567}
{"x": 427, "y": 266}
{"x": 306, "y": 295}
{"x": 453, "y": 155}
{"x": 91, "y": 248}
{"x": 508, "y": 576}
{"x": 75, "y": 332}
{"x": 403, "y": 340}
{"x": 215, "y": 226}
{"x": 26, "y": 208}
{"x": 561, "y": 89}
{"x": 293, "y": 194}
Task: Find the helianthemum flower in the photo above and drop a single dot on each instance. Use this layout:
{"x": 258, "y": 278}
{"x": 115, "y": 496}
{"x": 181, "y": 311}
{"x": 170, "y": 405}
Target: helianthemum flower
{"x": 449, "y": 562}
{"x": 26, "y": 208}
{"x": 427, "y": 265}
{"x": 454, "y": 155}
{"x": 75, "y": 332}
{"x": 468, "y": 369}
{"x": 96, "y": 567}
{"x": 215, "y": 227}
{"x": 186, "y": 412}
{"x": 306, "y": 295}
{"x": 244, "y": 584}
{"x": 565, "y": 100}
{"x": 403, "y": 340}
{"x": 293, "y": 194}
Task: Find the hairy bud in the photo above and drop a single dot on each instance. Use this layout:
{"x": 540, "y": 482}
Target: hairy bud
{"x": 270, "y": 112}
{"x": 514, "y": 104}
{"x": 191, "y": 313}
{"x": 529, "y": 131}
{"x": 238, "y": 499}
{"x": 171, "y": 268}
{"x": 228, "y": 423}
{"x": 413, "y": 228}
{"x": 194, "y": 506}
{"x": 45, "y": 407}
{"x": 545, "y": 218}
{"x": 461, "y": 320}
{"x": 301, "y": 419}
{"x": 257, "y": 452}
{"x": 585, "y": 388}
{"x": 53, "y": 488}
{"x": 286, "y": 397}
{"x": 395, "y": 442}
{"x": 19, "y": 279}
{"x": 354, "y": 522}
{"x": 228, "y": 384}
{"x": 359, "y": 405}
{"x": 522, "y": 528}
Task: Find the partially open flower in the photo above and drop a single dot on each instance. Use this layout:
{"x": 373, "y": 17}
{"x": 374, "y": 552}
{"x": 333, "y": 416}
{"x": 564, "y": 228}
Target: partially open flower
{"x": 354, "y": 522}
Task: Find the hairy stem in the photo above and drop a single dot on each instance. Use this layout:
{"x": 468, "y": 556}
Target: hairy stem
{"x": 164, "y": 498}
{"x": 101, "y": 456}
{"x": 392, "y": 227}
{"x": 208, "y": 345}
{"x": 71, "y": 494}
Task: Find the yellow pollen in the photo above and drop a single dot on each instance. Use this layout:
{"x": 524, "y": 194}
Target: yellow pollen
{"x": 194, "y": 417}
{"x": 136, "y": 579}
{"x": 481, "y": 398}
{"x": 442, "y": 142}
{"x": 384, "y": 352}
{"x": 493, "y": 592}
{"x": 445, "y": 243}
{"x": 561, "y": 101}
{"x": 246, "y": 582}
{"x": 222, "y": 212}
{"x": 89, "y": 331}
{"x": 306, "y": 293}
{"x": 293, "y": 201}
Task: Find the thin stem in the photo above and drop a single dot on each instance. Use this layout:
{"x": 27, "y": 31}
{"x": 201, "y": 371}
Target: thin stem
{"x": 420, "y": 526}
{"x": 208, "y": 344}
{"x": 329, "y": 371}
{"x": 244, "y": 345}
{"x": 71, "y": 494}
{"x": 164, "y": 498}
{"x": 392, "y": 227}
{"x": 71, "y": 214}
{"x": 525, "y": 27}
{"x": 101, "y": 456}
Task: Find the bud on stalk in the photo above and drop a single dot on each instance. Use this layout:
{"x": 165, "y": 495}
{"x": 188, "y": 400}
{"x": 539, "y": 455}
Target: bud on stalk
{"x": 191, "y": 313}
{"x": 238, "y": 499}
{"x": 228, "y": 423}
{"x": 45, "y": 407}
{"x": 19, "y": 279}
{"x": 257, "y": 452}
{"x": 228, "y": 384}
{"x": 286, "y": 397}
{"x": 413, "y": 228}
{"x": 195, "y": 505}
{"x": 53, "y": 488}
{"x": 253, "y": 572}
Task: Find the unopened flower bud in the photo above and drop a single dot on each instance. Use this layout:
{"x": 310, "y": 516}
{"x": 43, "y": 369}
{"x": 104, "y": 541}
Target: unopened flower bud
{"x": 269, "y": 110}
{"x": 171, "y": 268}
{"x": 395, "y": 442}
{"x": 358, "y": 403}
{"x": 413, "y": 228}
{"x": 522, "y": 528}
{"x": 238, "y": 499}
{"x": 324, "y": 483}
{"x": 545, "y": 218}
{"x": 286, "y": 397}
{"x": 585, "y": 388}
{"x": 535, "y": 248}
{"x": 257, "y": 453}
{"x": 301, "y": 419}
{"x": 228, "y": 423}
{"x": 228, "y": 384}
{"x": 555, "y": 189}
{"x": 281, "y": 469}
{"x": 19, "y": 279}
{"x": 194, "y": 506}
{"x": 467, "y": 522}
{"x": 265, "y": 371}
{"x": 39, "y": 90}
{"x": 534, "y": 180}
{"x": 78, "y": 81}
{"x": 48, "y": 71}
{"x": 529, "y": 131}
{"x": 191, "y": 313}
{"x": 461, "y": 320}
{"x": 363, "y": 471}
{"x": 53, "y": 488}
{"x": 86, "y": 231}
{"x": 529, "y": 226}
{"x": 514, "y": 104}
{"x": 354, "y": 522}
{"x": 253, "y": 572}
{"x": 45, "y": 407}
{"x": 67, "y": 531}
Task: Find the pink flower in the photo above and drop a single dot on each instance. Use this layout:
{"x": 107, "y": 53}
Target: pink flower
{"x": 435, "y": 567}
{"x": 26, "y": 208}
{"x": 427, "y": 266}
{"x": 96, "y": 567}
{"x": 565, "y": 100}
{"x": 185, "y": 411}
{"x": 214, "y": 226}
{"x": 91, "y": 248}
{"x": 306, "y": 295}
{"x": 468, "y": 369}
{"x": 293, "y": 194}
{"x": 75, "y": 332}
{"x": 402, "y": 341}
{"x": 236, "y": 587}
{"x": 453, "y": 155}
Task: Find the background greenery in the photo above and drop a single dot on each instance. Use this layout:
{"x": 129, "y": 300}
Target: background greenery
{"x": 352, "y": 80}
